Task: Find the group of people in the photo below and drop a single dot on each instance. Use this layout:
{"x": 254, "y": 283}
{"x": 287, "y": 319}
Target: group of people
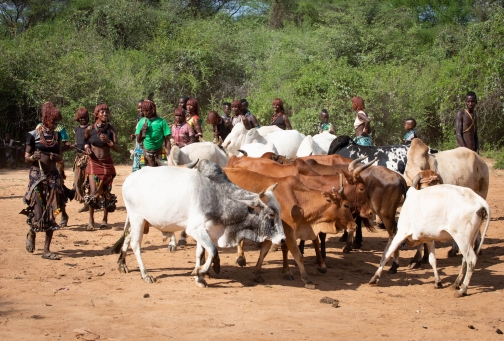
{"x": 94, "y": 170}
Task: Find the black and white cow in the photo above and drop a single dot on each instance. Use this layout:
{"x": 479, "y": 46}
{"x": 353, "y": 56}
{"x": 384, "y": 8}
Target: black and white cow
{"x": 393, "y": 157}
{"x": 205, "y": 204}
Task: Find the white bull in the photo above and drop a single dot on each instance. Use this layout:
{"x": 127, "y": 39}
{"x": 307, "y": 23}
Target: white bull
{"x": 197, "y": 151}
{"x": 201, "y": 201}
{"x": 315, "y": 145}
{"x": 440, "y": 213}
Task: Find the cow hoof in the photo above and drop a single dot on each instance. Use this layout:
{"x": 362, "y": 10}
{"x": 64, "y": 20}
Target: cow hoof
{"x": 460, "y": 293}
{"x": 241, "y": 261}
{"x": 438, "y": 285}
{"x": 216, "y": 264}
{"x": 309, "y": 286}
{"x": 172, "y": 248}
{"x": 200, "y": 282}
{"x": 258, "y": 279}
{"x": 452, "y": 253}
{"x": 356, "y": 245}
{"x": 347, "y": 249}
{"x": 182, "y": 242}
{"x": 374, "y": 280}
{"x": 149, "y": 279}
{"x": 288, "y": 277}
{"x": 415, "y": 265}
{"x": 123, "y": 268}
{"x": 343, "y": 238}
{"x": 393, "y": 268}
{"x": 322, "y": 270}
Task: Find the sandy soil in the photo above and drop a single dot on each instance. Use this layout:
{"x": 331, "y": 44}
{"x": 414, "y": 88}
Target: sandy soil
{"x": 51, "y": 300}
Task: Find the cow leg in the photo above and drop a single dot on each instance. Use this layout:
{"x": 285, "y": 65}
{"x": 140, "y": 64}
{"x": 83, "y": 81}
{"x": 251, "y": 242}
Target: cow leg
{"x": 391, "y": 226}
{"x": 240, "y": 258}
{"x": 136, "y": 236}
{"x": 349, "y": 241}
{"x": 391, "y": 248}
{"x": 454, "y": 250}
{"x": 298, "y": 258}
{"x": 357, "y": 243}
{"x": 122, "y": 267}
{"x": 301, "y": 246}
{"x": 286, "y": 270}
{"x": 204, "y": 242}
{"x": 433, "y": 263}
{"x": 468, "y": 263}
{"x": 172, "y": 245}
{"x": 320, "y": 260}
{"x": 183, "y": 239}
{"x": 265, "y": 247}
{"x": 416, "y": 261}
{"x": 322, "y": 237}
{"x": 344, "y": 236}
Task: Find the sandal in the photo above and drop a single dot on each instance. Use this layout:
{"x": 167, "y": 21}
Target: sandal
{"x": 30, "y": 241}
{"x": 104, "y": 227}
{"x": 51, "y": 256}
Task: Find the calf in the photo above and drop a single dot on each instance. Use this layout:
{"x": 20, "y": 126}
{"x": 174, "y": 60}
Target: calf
{"x": 439, "y": 213}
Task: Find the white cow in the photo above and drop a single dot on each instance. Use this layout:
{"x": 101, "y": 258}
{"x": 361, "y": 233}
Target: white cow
{"x": 324, "y": 140}
{"x": 440, "y": 213}
{"x": 257, "y": 149}
{"x": 308, "y": 147}
{"x": 197, "y": 151}
{"x": 286, "y": 142}
{"x": 236, "y": 138}
{"x": 201, "y": 201}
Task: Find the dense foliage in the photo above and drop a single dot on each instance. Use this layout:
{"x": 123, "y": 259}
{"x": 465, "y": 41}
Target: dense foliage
{"x": 405, "y": 58}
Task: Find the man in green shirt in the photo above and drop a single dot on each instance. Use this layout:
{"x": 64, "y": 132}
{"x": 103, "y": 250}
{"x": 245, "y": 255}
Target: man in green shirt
{"x": 154, "y": 133}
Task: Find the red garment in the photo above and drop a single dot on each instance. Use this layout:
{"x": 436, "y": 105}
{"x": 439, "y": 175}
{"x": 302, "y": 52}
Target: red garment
{"x": 102, "y": 168}
{"x": 182, "y": 134}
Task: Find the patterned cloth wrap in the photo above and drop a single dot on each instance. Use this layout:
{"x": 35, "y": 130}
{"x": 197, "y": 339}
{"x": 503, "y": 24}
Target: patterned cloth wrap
{"x": 103, "y": 171}
{"x": 138, "y": 157}
{"x": 44, "y": 198}
{"x": 363, "y": 140}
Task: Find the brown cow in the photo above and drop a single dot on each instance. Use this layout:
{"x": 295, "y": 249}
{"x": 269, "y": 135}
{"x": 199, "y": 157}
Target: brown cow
{"x": 274, "y": 168}
{"x": 305, "y": 213}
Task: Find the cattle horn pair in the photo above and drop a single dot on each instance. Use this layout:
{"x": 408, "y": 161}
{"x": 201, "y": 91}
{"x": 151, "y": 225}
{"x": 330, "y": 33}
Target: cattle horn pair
{"x": 356, "y": 171}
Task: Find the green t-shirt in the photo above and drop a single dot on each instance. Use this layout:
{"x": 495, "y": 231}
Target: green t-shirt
{"x": 157, "y": 129}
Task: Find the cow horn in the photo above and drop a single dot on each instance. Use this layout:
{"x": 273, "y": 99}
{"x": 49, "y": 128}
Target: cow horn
{"x": 352, "y": 164}
{"x": 243, "y": 152}
{"x": 192, "y": 164}
{"x": 415, "y": 181}
{"x": 340, "y": 192}
{"x": 359, "y": 169}
{"x": 225, "y": 150}
{"x": 272, "y": 187}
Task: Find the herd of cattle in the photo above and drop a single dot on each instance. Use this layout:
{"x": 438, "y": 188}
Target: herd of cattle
{"x": 274, "y": 187}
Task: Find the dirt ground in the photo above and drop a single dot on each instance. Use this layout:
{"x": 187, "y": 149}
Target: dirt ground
{"x": 52, "y": 300}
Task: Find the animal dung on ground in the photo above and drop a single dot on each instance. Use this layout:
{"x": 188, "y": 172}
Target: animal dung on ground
{"x": 146, "y": 296}
{"x": 498, "y": 331}
{"x": 328, "y": 300}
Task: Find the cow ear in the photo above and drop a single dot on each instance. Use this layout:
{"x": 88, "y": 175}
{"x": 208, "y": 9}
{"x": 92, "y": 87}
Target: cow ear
{"x": 332, "y": 197}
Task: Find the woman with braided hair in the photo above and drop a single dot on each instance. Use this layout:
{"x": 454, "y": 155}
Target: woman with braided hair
{"x": 45, "y": 195}
{"x": 100, "y": 138}
{"x": 80, "y": 163}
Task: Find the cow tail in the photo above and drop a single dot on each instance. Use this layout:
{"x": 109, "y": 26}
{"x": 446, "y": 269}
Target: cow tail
{"x": 119, "y": 243}
{"x": 484, "y": 208}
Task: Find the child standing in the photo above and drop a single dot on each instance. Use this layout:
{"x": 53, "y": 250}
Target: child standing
{"x": 409, "y": 125}
{"x": 324, "y": 124}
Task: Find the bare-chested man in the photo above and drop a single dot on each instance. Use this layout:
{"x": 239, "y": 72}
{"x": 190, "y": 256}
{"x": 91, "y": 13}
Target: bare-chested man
{"x": 467, "y": 129}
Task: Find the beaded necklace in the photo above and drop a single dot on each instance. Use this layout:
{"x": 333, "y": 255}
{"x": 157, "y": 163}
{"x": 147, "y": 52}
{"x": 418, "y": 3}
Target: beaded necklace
{"x": 48, "y": 143}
